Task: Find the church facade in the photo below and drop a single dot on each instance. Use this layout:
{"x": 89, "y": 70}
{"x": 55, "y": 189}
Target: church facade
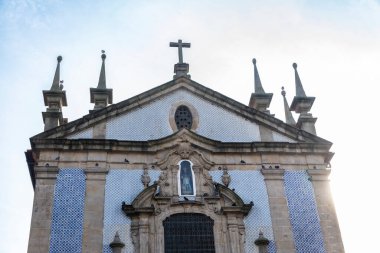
{"x": 181, "y": 168}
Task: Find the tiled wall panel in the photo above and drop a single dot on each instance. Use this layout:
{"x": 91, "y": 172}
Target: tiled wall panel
{"x": 250, "y": 186}
{"x": 303, "y": 213}
{"x": 68, "y": 208}
{"x": 151, "y": 121}
{"x": 277, "y": 137}
{"x": 121, "y": 185}
{"x": 83, "y": 134}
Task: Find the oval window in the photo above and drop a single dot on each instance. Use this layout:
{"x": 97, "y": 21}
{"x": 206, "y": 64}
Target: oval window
{"x": 183, "y": 117}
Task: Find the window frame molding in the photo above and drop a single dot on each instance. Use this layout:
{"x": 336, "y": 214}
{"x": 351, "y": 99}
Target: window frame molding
{"x": 193, "y": 111}
{"x": 179, "y": 179}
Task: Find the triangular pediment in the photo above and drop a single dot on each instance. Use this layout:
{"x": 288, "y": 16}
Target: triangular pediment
{"x": 149, "y": 116}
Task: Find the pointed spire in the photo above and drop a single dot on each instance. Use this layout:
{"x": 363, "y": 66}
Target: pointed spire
{"x": 300, "y": 92}
{"x": 102, "y": 77}
{"x": 288, "y": 115}
{"x": 101, "y": 96}
{"x": 54, "y": 99}
{"x": 259, "y": 99}
{"x": 56, "y": 81}
{"x": 302, "y": 104}
{"x": 258, "y": 86}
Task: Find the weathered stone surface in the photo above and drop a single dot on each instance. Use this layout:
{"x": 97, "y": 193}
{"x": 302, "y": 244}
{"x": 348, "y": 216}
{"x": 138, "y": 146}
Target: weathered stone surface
{"x": 326, "y": 211}
{"x": 94, "y": 211}
{"x": 282, "y": 230}
{"x": 42, "y": 211}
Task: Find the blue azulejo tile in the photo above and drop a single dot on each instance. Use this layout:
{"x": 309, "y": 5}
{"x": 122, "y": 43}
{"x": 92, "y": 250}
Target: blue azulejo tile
{"x": 68, "y": 208}
{"x": 303, "y": 213}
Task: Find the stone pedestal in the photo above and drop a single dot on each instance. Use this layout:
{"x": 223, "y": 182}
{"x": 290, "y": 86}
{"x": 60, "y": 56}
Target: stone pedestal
{"x": 261, "y": 102}
{"x": 307, "y": 122}
{"x": 181, "y": 70}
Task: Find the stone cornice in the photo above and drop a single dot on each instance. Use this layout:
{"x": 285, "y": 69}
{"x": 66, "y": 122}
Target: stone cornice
{"x": 273, "y": 174}
{"x": 156, "y": 145}
{"x": 46, "y": 172}
{"x": 319, "y": 174}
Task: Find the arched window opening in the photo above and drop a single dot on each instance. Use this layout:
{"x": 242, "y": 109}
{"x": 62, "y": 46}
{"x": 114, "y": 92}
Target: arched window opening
{"x": 186, "y": 182}
{"x": 183, "y": 117}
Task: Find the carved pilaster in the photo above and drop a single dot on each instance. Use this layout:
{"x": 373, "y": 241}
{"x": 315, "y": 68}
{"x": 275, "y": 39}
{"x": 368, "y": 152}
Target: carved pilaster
{"x": 233, "y": 233}
{"x": 282, "y": 230}
{"x": 144, "y": 233}
{"x": 326, "y": 210}
{"x": 42, "y": 209}
{"x": 135, "y": 233}
{"x": 174, "y": 180}
{"x": 94, "y": 210}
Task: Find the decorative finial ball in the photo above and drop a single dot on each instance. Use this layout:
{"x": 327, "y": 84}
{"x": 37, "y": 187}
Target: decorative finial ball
{"x": 283, "y": 91}
{"x": 294, "y": 65}
{"x": 59, "y": 58}
{"x": 254, "y": 61}
{"x": 103, "y": 55}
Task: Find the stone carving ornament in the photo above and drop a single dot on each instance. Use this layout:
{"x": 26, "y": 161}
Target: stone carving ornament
{"x": 226, "y": 178}
{"x": 161, "y": 200}
{"x": 145, "y": 178}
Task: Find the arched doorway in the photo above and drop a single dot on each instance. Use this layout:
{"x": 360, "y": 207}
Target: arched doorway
{"x": 189, "y": 233}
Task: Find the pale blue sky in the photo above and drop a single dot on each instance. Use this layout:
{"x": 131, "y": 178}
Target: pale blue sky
{"x": 335, "y": 43}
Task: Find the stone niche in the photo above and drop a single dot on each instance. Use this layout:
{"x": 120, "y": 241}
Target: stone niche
{"x": 162, "y": 200}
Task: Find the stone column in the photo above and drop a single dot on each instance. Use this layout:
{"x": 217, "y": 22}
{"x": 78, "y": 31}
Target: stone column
{"x": 326, "y": 211}
{"x": 174, "y": 181}
{"x": 39, "y": 238}
{"x": 282, "y": 230}
{"x": 144, "y": 233}
{"x": 94, "y": 210}
{"x": 233, "y": 233}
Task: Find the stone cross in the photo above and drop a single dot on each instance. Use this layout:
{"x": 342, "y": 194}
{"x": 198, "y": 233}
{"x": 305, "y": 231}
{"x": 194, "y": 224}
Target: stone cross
{"x": 180, "y": 45}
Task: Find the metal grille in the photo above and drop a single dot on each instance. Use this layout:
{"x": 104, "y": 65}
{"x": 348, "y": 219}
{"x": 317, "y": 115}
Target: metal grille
{"x": 189, "y": 233}
{"x": 183, "y": 117}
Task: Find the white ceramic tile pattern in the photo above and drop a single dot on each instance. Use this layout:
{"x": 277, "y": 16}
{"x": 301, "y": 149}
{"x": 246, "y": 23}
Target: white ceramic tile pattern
{"x": 281, "y": 138}
{"x": 250, "y": 186}
{"x": 151, "y": 121}
{"x": 84, "y": 134}
{"x": 121, "y": 185}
